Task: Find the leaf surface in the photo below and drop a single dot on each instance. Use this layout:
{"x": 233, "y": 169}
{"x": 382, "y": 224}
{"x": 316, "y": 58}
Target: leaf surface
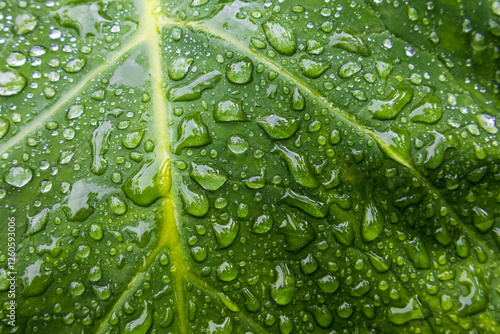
{"x": 265, "y": 167}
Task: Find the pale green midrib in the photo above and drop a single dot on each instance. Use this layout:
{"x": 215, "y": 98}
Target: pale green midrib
{"x": 67, "y": 96}
{"x": 335, "y": 110}
{"x": 194, "y": 278}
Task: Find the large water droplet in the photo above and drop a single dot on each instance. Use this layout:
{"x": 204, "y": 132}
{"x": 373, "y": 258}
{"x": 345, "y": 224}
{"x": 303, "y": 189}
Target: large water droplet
{"x": 298, "y": 166}
{"x": 372, "y": 224}
{"x": 322, "y": 315}
{"x": 225, "y": 234}
{"x": 142, "y": 324}
{"x": 262, "y": 224}
{"x": 487, "y": 122}
{"x": 279, "y": 126}
{"x": 36, "y": 279}
{"x": 194, "y": 89}
{"x": 328, "y": 284}
{"x": 133, "y": 139}
{"x": 99, "y": 145}
{"x": 192, "y": 133}
{"x": 24, "y": 23}
{"x": 281, "y": 37}
{"x": 237, "y": 144}
{"x": 208, "y": 175}
{"x": 240, "y": 72}
{"x": 195, "y": 202}
{"x": 298, "y": 233}
{"x": 298, "y": 101}
{"x": 309, "y": 205}
{"x": 412, "y": 311}
{"x": 38, "y": 222}
{"x": 11, "y": 82}
{"x": 230, "y": 110}
{"x": 390, "y": 107}
{"x": 18, "y": 176}
{"x": 150, "y": 182}
{"x": 16, "y": 59}
{"x": 283, "y": 288}
{"x": 227, "y": 272}
{"x": 226, "y": 327}
{"x": 313, "y": 69}
{"x": 428, "y": 111}
{"x": 349, "y": 69}
{"x": 349, "y": 43}
{"x": 75, "y": 65}
{"x": 4, "y": 127}
{"x": 179, "y": 67}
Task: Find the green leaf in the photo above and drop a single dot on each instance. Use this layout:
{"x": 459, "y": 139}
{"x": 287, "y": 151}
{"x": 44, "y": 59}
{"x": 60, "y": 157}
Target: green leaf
{"x": 250, "y": 166}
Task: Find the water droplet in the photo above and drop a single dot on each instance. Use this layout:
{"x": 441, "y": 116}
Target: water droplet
{"x": 18, "y": 176}
{"x": 38, "y": 222}
{"x": 322, "y": 315}
{"x": 262, "y": 224}
{"x": 240, "y": 72}
{"x": 117, "y": 205}
{"x": 428, "y": 111}
{"x": 76, "y": 288}
{"x": 193, "y": 90}
{"x": 208, "y": 175}
{"x": 150, "y": 182}
{"x": 372, "y": 224}
{"x": 230, "y": 110}
{"x": 95, "y": 273}
{"x": 412, "y": 311}
{"x": 259, "y": 44}
{"x": 226, "y": 234}
{"x": 141, "y": 234}
{"x": 307, "y": 204}
{"x": 195, "y": 202}
{"x": 298, "y": 233}
{"x": 227, "y": 272}
{"x": 487, "y": 122}
{"x": 11, "y": 82}
{"x": 179, "y": 67}
{"x": 24, "y": 23}
{"x": 298, "y": 101}
{"x": 384, "y": 68}
{"x": 256, "y": 182}
{"x": 16, "y": 59}
{"x": 381, "y": 264}
{"x": 280, "y": 37}
{"x": 313, "y": 69}
{"x": 349, "y": 69}
{"x": 95, "y": 231}
{"x": 345, "y": 310}
{"x": 4, "y": 127}
{"x": 237, "y": 144}
{"x": 142, "y": 324}
{"x": 349, "y": 43}
{"x": 133, "y": 139}
{"x": 36, "y": 279}
{"x": 391, "y": 106}
{"x": 285, "y": 325}
{"x": 75, "y": 65}
{"x": 199, "y": 253}
{"x": 283, "y": 288}
{"x": 75, "y": 111}
{"x": 298, "y": 166}
{"x": 192, "y": 132}
{"x": 99, "y": 145}
{"x": 327, "y": 284}
{"x": 278, "y": 126}
{"x": 226, "y": 327}
{"x": 314, "y": 47}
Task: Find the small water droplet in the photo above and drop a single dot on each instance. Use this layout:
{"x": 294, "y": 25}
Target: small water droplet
{"x": 11, "y": 82}
{"x": 18, "y": 176}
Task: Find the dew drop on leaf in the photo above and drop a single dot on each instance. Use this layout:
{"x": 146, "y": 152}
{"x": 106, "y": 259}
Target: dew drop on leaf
{"x": 18, "y": 176}
{"x": 11, "y": 82}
